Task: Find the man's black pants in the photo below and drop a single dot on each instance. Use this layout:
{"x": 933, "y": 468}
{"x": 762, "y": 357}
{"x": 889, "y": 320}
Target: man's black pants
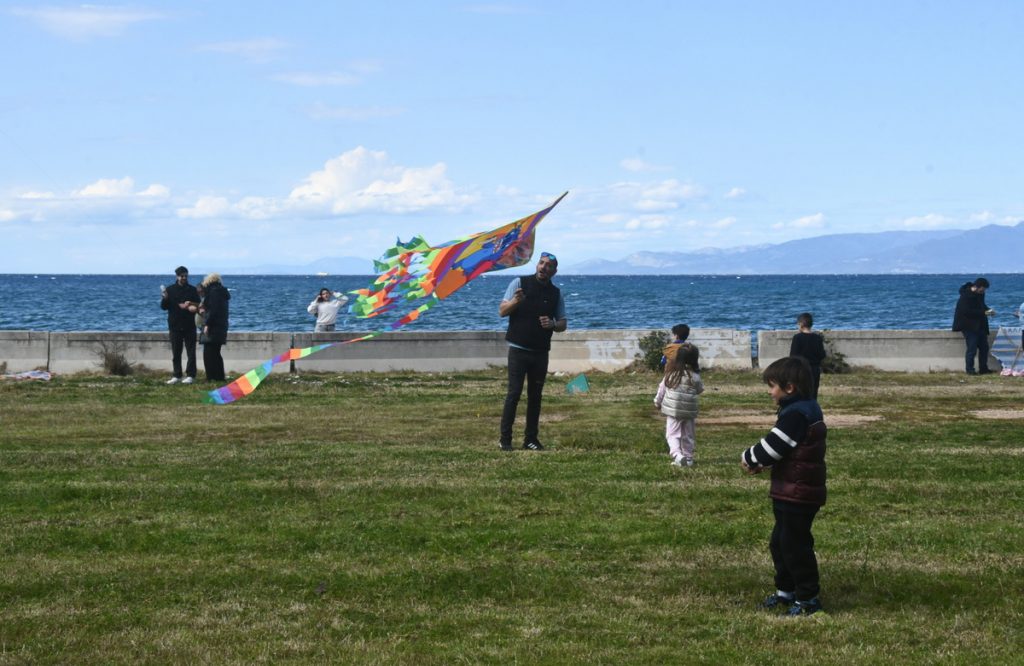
{"x": 531, "y": 367}
{"x": 792, "y": 547}
{"x": 183, "y": 338}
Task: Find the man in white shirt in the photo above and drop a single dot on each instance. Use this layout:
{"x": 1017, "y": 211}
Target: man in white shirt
{"x": 325, "y": 308}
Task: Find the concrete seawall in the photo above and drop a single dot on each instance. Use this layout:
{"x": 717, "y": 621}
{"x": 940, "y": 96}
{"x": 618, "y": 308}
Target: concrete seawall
{"x": 573, "y": 351}
{"x": 906, "y": 351}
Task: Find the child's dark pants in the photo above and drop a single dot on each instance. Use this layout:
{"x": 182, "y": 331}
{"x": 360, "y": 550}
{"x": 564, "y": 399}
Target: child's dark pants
{"x": 792, "y": 546}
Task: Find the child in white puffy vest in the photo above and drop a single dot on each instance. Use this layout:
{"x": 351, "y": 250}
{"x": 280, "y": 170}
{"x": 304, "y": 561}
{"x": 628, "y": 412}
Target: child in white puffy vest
{"x": 677, "y": 400}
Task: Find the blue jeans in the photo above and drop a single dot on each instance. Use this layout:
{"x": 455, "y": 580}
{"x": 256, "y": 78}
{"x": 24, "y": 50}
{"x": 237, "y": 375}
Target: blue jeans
{"x": 977, "y": 343}
{"x": 531, "y": 367}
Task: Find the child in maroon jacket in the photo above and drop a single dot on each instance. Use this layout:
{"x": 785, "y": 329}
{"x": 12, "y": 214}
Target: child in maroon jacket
{"x": 795, "y": 451}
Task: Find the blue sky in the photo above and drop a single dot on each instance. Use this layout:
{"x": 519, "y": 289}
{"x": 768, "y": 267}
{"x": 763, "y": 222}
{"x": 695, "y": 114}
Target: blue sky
{"x": 137, "y": 137}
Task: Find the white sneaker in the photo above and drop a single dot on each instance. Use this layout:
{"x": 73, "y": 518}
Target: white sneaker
{"x": 688, "y": 462}
{"x": 677, "y": 462}
{"x": 173, "y": 380}
{"x": 189, "y": 380}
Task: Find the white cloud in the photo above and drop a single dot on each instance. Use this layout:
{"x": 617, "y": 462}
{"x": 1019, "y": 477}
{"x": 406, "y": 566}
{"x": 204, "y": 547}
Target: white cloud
{"x": 324, "y": 112}
{"x": 260, "y": 208}
{"x": 637, "y": 164}
{"x": 33, "y": 194}
{"x": 317, "y": 79}
{"x": 661, "y": 196}
{"x": 357, "y": 181}
{"x": 809, "y": 221}
{"x": 815, "y": 221}
{"x": 648, "y": 222}
{"x": 363, "y": 180}
{"x": 156, "y": 191}
{"x": 7, "y": 215}
{"x": 723, "y": 223}
{"x": 929, "y": 221}
{"x": 206, "y": 207}
{"x": 85, "y": 21}
{"x": 108, "y": 187}
{"x": 113, "y": 188}
{"x": 735, "y": 193}
{"x": 103, "y": 202}
{"x": 254, "y": 50}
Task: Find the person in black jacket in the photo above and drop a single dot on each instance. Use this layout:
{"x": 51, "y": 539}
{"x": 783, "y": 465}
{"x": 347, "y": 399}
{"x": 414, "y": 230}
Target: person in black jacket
{"x": 215, "y": 327}
{"x": 795, "y": 451}
{"x": 181, "y": 300}
{"x": 809, "y": 345}
{"x": 971, "y": 319}
{"x": 535, "y": 309}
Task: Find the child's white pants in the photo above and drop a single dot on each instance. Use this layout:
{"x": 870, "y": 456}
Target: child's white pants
{"x": 680, "y": 435}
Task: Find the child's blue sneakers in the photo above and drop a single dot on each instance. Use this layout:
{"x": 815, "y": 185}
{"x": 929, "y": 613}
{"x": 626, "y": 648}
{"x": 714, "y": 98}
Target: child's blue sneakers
{"x": 776, "y": 600}
{"x": 809, "y": 607}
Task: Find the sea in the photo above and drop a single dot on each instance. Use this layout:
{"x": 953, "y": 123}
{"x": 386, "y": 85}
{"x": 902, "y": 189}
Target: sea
{"x": 65, "y": 302}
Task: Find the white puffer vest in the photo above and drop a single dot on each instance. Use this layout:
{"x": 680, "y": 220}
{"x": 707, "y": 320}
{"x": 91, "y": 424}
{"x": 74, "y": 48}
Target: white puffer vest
{"x": 681, "y": 402}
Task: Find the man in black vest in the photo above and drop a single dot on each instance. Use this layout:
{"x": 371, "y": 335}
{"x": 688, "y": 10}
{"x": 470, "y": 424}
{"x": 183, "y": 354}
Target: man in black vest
{"x": 535, "y": 309}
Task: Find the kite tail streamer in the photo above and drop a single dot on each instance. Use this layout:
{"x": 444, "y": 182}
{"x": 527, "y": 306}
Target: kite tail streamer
{"x": 413, "y": 271}
{"x": 248, "y": 382}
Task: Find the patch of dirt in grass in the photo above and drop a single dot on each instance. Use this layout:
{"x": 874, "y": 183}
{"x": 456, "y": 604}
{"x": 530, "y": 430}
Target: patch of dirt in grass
{"x": 998, "y": 414}
{"x": 765, "y": 420}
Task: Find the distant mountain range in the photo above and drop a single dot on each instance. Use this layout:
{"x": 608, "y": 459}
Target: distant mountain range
{"x": 990, "y": 249}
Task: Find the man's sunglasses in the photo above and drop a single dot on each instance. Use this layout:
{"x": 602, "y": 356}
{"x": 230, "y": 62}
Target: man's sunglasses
{"x": 548, "y": 255}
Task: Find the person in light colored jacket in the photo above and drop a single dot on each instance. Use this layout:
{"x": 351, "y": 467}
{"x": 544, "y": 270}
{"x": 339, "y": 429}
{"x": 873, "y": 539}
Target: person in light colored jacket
{"x": 325, "y": 308}
{"x": 677, "y": 400}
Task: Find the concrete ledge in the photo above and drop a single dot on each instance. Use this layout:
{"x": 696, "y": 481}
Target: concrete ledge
{"x": 609, "y": 350}
{"x": 907, "y": 351}
{"x": 24, "y": 350}
{"x": 572, "y": 351}
{"x": 434, "y": 351}
{"x": 80, "y": 351}
{"x": 426, "y": 352}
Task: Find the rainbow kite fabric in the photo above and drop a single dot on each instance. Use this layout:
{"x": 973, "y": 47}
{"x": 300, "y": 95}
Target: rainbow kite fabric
{"x": 414, "y": 271}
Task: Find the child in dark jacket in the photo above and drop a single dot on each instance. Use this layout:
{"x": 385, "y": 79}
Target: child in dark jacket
{"x": 795, "y": 451}
{"x": 809, "y": 345}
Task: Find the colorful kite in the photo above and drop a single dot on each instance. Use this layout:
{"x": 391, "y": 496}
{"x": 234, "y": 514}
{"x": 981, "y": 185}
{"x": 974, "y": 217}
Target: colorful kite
{"x": 414, "y": 271}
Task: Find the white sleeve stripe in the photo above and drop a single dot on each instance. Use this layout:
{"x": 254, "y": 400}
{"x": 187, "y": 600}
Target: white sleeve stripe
{"x": 770, "y": 451}
{"x": 784, "y": 437}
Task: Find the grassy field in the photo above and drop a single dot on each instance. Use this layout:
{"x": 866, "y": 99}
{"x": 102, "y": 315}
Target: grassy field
{"x": 371, "y": 518}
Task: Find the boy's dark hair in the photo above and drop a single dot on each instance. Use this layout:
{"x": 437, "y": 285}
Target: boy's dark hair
{"x": 681, "y": 331}
{"x": 793, "y": 370}
{"x": 981, "y": 282}
{"x": 805, "y": 319}
{"x": 181, "y": 270}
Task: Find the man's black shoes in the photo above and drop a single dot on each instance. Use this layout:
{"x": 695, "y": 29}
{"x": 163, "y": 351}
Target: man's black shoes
{"x": 533, "y": 445}
{"x": 505, "y": 446}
